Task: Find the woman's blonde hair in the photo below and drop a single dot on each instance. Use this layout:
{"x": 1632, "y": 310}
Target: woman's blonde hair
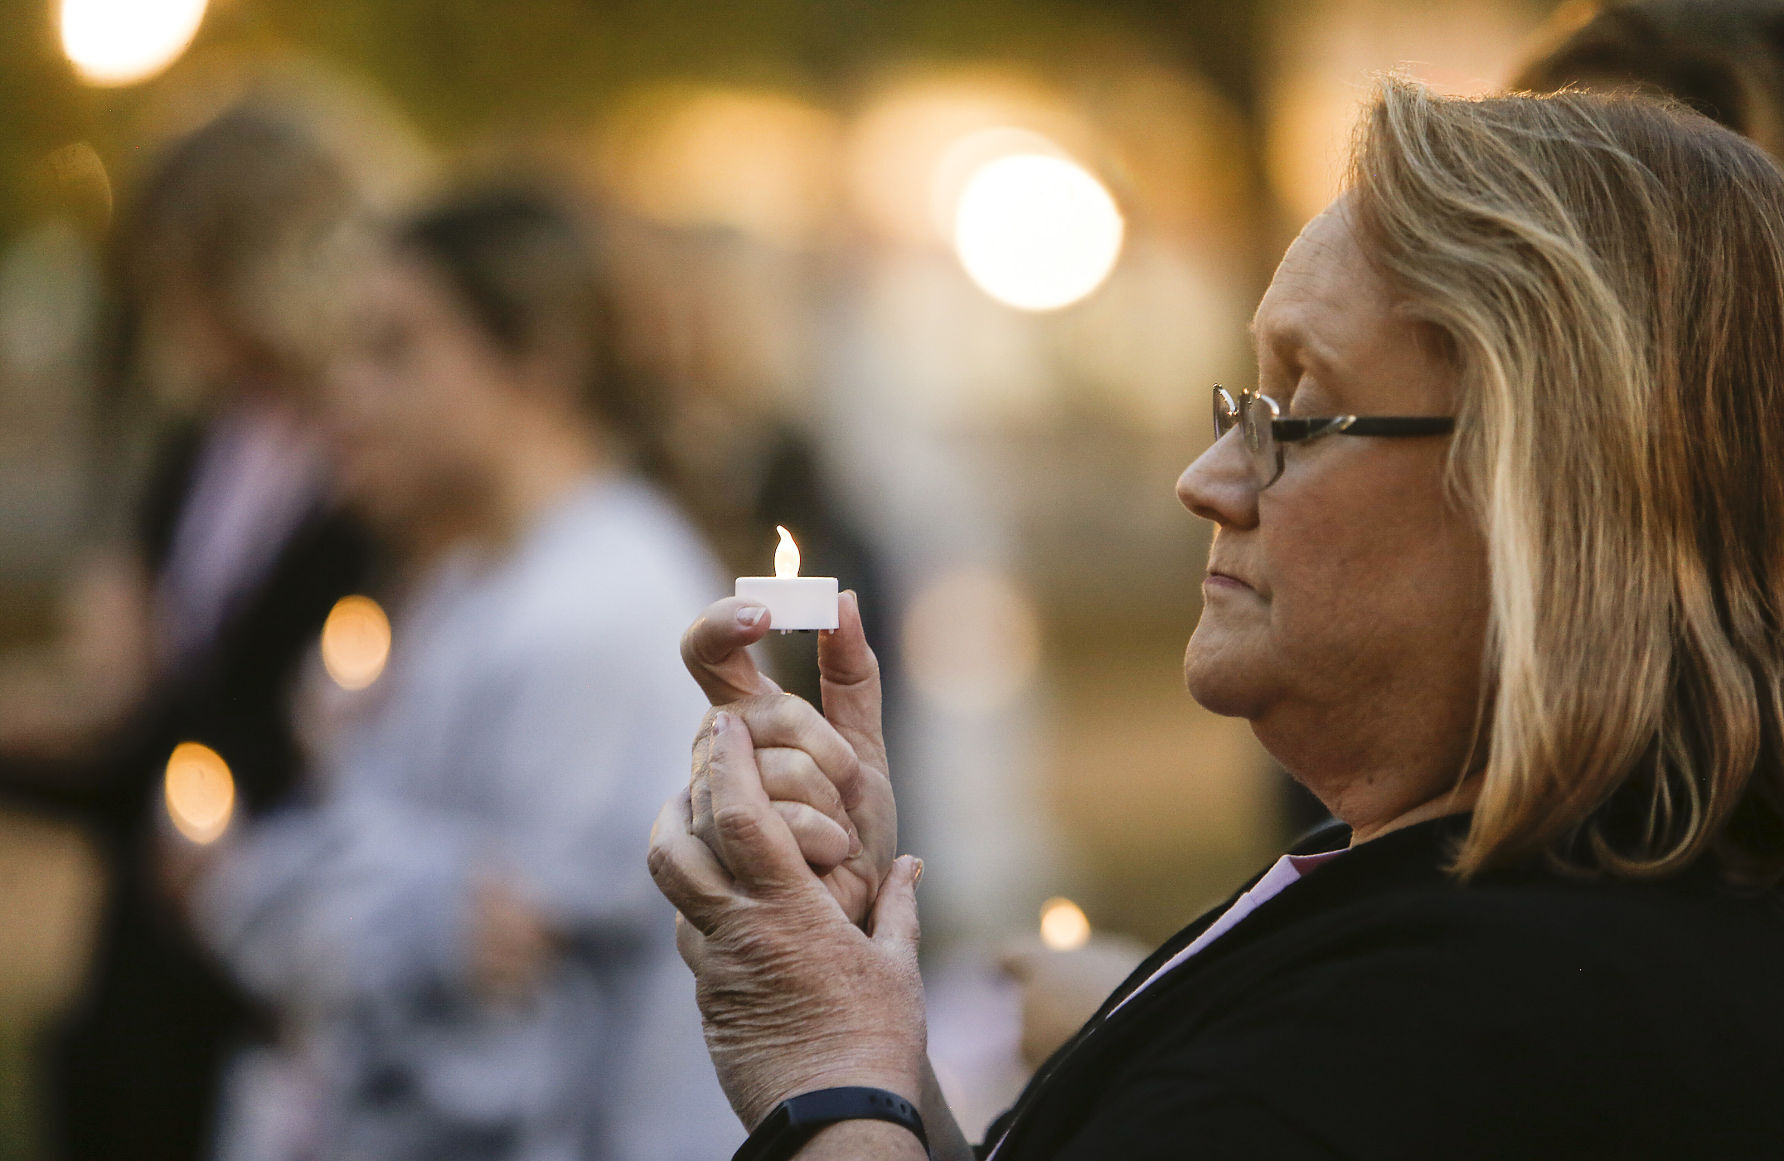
{"x": 1608, "y": 273}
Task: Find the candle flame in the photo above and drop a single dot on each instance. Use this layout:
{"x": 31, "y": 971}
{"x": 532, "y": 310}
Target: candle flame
{"x": 786, "y": 557}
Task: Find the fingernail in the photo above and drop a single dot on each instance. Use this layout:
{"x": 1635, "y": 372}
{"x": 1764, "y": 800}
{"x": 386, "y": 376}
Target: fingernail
{"x": 917, "y": 875}
{"x": 749, "y": 615}
{"x": 855, "y": 847}
{"x": 719, "y": 721}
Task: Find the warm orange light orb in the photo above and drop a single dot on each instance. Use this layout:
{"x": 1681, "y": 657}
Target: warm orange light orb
{"x": 200, "y": 792}
{"x": 355, "y": 642}
{"x": 121, "y": 42}
{"x": 1064, "y": 926}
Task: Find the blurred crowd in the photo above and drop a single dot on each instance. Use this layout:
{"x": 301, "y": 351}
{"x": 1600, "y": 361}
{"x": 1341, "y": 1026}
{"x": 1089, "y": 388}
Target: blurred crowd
{"x": 384, "y": 898}
{"x": 370, "y": 710}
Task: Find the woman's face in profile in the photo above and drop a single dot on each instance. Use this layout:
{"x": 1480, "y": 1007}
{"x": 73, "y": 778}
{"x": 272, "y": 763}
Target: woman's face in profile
{"x": 1346, "y": 601}
{"x": 419, "y": 401}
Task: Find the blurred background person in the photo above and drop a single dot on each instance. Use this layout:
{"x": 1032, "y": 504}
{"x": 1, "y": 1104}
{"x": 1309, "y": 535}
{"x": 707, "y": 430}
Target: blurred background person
{"x": 1724, "y": 58}
{"x": 460, "y": 932}
{"x": 193, "y": 632}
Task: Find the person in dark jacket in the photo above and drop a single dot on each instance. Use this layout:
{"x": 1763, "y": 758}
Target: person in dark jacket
{"x": 1497, "y": 573}
{"x": 239, "y": 553}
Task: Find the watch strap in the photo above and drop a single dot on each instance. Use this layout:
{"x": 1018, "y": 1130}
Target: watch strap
{"x": 795, "y": 1120}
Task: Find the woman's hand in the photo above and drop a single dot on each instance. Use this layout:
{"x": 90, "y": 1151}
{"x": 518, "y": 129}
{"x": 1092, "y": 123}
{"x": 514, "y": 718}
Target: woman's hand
{"x": 826, "y": 773}
{"x": 794, "y": 995}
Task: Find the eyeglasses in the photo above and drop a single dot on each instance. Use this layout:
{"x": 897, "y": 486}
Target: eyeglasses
{"x": 1265, "y": 431}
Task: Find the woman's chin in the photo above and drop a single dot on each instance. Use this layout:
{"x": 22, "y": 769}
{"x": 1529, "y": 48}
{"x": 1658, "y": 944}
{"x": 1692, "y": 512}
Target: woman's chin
{"x": 1222, "y": 680}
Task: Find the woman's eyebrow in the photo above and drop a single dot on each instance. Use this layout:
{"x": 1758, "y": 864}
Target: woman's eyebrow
{"x": 1289, "y": 342}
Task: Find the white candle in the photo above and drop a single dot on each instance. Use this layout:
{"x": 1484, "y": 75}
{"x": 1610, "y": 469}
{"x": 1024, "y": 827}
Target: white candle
{"x": 794, "y": 601}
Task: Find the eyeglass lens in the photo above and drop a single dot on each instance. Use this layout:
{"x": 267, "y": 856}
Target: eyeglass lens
{"x": 1226, "y": 411}
{"x": 1253, "y": 414}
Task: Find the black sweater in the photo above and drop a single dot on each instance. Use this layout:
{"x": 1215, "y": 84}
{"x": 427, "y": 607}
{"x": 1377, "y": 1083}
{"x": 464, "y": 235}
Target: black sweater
{"x": 1379, "y": 1009}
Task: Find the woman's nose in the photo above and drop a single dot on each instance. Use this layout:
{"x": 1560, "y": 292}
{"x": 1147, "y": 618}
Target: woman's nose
{"x": 1219, "y": 484}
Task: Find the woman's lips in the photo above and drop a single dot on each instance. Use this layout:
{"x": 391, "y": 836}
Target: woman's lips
{"x": 1221, "y": 580}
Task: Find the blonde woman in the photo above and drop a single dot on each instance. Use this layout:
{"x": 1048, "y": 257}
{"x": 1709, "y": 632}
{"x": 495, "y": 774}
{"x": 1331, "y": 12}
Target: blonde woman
{"x": 1499, "y": 574}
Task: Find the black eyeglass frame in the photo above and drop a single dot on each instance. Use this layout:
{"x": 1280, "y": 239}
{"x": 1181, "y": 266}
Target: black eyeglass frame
{"x": 1230, "y": 413}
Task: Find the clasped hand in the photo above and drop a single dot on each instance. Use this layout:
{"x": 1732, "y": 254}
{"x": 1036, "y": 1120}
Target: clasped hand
{"x": 800, "y": 927}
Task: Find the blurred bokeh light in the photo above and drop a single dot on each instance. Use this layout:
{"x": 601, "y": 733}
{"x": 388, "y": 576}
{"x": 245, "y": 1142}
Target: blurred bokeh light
{"x": 751, "y": 160}
{"x": 918, "y": 140}
{"x": 965, "y": 158}
{"x": 200, "y": 792}
{"x": 122, "y": 42}
{"x": 355, "y": 642}
{"x": 1037, "y": 232}
{"x": 1064, "y": 926}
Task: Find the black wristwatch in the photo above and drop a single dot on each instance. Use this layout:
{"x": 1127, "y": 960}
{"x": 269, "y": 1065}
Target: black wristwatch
{"x": 794, "y": 1121}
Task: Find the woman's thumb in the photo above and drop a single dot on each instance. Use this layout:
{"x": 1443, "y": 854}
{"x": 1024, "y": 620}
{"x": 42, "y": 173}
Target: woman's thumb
{"x": 895, "y": 910}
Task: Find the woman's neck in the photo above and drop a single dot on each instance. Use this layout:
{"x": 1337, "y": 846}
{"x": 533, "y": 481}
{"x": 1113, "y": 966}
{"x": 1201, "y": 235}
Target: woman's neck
{"x": 1381, "y": 764}
{"x": 1368, "y": 824}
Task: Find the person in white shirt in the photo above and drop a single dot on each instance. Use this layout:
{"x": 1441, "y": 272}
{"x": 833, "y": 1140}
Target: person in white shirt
{"x": 459, "y": 932}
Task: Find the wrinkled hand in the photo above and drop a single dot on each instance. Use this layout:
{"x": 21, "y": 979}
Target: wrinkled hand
{"x": 794, "y": 995}
{"x": 825, "y": 774}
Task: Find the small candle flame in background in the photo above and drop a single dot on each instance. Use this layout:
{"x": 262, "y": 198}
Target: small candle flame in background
{"x": 786, "y": 557}
{"x": 200, "y": 792}
{"x": 1064, "y": 926}
{"x": 355, "y": 642}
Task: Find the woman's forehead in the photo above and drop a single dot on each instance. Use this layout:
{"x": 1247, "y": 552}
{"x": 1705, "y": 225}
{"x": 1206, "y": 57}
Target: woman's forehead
{"x": 1319, "y": 278}
{"x": 1330, "y": 313}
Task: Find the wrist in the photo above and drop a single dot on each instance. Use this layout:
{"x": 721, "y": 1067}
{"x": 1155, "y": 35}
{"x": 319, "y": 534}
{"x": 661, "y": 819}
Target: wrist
{"x": 791, "y": 1126}
{"x": 851, "y": 1140}
{"x": 896, "y": 1067}
{"x": 903, "y": 1081}
{"x": 894, "y": 1082}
